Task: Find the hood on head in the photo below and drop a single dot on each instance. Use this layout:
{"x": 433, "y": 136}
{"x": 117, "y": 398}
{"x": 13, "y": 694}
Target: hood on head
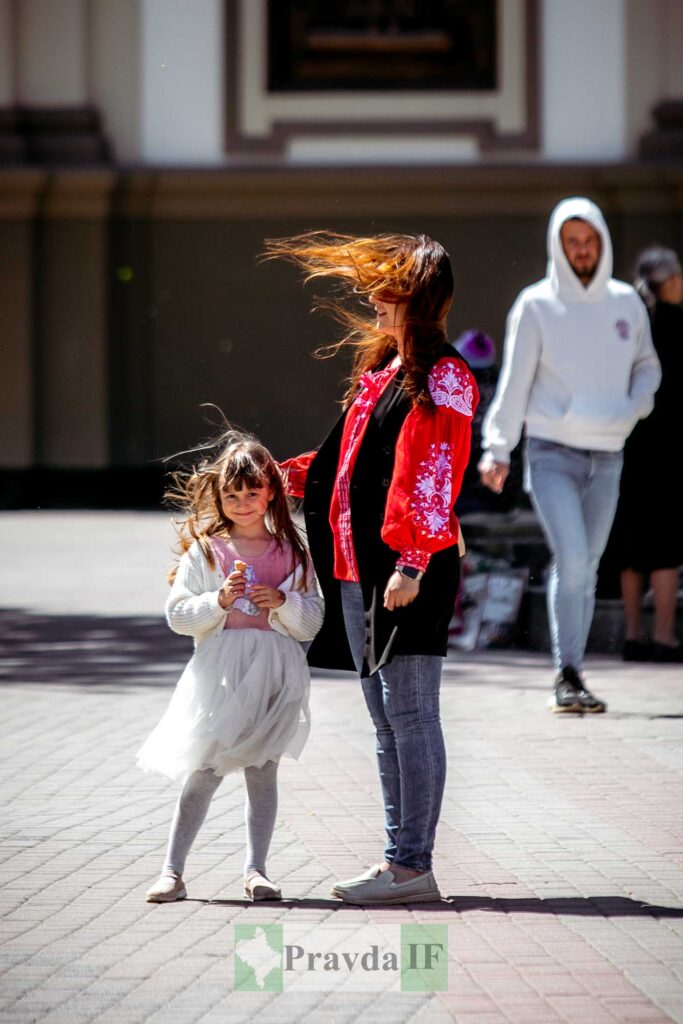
{"x": 563, "y": 278}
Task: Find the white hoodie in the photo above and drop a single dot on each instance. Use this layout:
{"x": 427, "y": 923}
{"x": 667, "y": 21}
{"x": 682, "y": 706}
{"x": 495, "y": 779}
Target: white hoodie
{"x": 579, "y": 367}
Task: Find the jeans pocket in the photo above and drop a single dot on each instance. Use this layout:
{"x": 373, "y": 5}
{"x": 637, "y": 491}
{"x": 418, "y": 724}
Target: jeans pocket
{"x": 536, "y": 452}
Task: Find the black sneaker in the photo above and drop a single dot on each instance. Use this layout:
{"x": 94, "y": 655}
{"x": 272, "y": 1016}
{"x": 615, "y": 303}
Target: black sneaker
{"x": 572, "y": 696}
{"x": 589, "y": 702}
{"x": 664, "y": 653}
{"x": 637, "y": 650}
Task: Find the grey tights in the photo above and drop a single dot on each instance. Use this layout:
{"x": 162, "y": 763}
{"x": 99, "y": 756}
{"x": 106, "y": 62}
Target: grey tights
{"x": 260, "y": 810}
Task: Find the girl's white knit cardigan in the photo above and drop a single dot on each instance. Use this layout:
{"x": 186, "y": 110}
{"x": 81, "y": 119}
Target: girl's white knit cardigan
{"x": 192, "y": 608}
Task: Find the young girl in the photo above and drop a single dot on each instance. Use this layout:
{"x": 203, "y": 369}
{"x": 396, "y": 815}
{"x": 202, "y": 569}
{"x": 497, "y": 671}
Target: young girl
{"x": 246, "y": 591}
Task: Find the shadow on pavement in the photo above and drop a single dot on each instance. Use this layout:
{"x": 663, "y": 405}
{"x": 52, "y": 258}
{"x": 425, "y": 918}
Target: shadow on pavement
{"x": 89, "y": 650}
{"x": 591, "y": 906}
{"x": 115, "y": 652}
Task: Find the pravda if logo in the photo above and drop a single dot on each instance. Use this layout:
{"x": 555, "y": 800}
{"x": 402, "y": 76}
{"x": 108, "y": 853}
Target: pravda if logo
{"x": 323, "y": 957}
{"x": 258, "y": 957}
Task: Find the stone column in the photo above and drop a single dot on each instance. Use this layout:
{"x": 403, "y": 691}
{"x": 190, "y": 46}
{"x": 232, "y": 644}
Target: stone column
{"x": 19, "y": 194}
{"x": 115, "y": 59}
{"x": 182, "y": 81}
{"x": 52, "y": 53}
{"x": 7, "y": 53}
{"x": 584, "y": 80}
{"x": 72, "y": 358}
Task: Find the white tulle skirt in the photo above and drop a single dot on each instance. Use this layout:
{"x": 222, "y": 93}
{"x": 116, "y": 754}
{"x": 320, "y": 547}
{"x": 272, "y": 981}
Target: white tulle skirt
{"x": 242, "y": 700}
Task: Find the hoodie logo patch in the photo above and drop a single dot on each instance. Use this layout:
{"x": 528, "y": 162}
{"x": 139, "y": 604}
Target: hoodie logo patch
{"x": 623, "y": 329}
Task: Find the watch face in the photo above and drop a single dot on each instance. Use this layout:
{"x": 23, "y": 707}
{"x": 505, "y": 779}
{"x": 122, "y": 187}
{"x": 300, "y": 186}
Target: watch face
{"x": 410, "y": 572}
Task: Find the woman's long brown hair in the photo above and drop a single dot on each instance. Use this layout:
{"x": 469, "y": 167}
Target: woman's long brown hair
{"x": 395, "y": 268}
{"x": 238, "y": 460}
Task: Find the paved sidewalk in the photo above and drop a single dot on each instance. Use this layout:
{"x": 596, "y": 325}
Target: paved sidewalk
{"x": 559, "y": 851}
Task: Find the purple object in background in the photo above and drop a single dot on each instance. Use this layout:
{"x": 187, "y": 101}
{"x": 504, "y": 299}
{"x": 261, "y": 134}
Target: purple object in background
{"x": 478, "y": 349}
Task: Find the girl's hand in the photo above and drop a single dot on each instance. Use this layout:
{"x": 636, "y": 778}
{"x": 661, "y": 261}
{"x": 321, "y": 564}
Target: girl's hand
{"x": 233, "y": 587}
{"x": 400, "y": 591}
{"x": 265, "y": 597}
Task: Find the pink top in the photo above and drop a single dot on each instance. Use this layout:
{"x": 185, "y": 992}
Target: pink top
{"x": 272, "y": 568}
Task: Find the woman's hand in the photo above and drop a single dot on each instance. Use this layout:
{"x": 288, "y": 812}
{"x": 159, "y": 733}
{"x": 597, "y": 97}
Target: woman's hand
{"x": 233, "y": 587}
{"x": 400, "y": 591}
{"x": 265, "y": 597}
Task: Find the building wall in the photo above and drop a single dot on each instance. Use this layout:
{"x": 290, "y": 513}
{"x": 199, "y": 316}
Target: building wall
{"x": 654, "y": 61}
{"x": 160, "y": 71}
{"x": 136, "y": 297}
{"x": 133, "y": 293}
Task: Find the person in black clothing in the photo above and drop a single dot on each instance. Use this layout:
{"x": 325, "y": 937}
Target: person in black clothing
{"x": 647, "y": 536}
{"x": 378, "y": 502}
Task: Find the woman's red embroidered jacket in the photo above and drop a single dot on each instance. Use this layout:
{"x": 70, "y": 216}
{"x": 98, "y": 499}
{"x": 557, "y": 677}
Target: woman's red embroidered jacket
{"x": 386, "y": 481}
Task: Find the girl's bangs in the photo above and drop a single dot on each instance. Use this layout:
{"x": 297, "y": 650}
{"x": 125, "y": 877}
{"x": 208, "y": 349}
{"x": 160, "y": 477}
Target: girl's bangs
{"x": 241, "y": 469}
{"x": 236, "y": 478}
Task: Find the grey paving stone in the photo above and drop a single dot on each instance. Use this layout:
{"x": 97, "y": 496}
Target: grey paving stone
{"x": 559, "y": 848}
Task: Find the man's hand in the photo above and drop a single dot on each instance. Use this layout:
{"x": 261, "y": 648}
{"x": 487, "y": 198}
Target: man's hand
{"x": 400, "y": 591}
{"x": 493, "y": 474}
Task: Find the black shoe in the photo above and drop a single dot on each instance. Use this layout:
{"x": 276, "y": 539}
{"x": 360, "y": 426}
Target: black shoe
{"x": 572, "y": 696}
{"x": 664, "y": 653}
{"x": 637, "y": 650}
{"x": 591, "y": 703}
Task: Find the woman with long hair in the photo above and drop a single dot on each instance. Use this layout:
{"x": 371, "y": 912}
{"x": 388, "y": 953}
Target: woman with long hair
{"x": 378, "y": 502}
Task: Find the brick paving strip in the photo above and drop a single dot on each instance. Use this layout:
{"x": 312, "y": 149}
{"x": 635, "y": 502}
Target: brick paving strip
{"x": 559, "y": 850}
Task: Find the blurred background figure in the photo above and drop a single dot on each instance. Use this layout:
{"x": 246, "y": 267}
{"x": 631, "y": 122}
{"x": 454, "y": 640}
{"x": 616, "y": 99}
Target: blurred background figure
{"x": 647, "y": 540}
{"x": 579, "y": 371}
{"x": 479, "y": 349}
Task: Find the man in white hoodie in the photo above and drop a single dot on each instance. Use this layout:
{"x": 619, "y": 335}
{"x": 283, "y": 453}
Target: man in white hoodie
{"x": 579, "y": 370}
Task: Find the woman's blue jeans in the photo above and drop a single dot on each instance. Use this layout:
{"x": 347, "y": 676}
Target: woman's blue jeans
{"x": 403, "y": 701}
{"x": 574, "y": 493}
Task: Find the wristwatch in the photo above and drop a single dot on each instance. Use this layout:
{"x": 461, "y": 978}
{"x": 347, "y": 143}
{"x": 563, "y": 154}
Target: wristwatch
{"x": 410, "y": 572}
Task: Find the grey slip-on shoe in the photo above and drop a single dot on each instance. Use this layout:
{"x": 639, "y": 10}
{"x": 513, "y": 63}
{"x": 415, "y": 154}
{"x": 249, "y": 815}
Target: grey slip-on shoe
{"x": 340, "y": 887}
{"x": 384, "y": 889}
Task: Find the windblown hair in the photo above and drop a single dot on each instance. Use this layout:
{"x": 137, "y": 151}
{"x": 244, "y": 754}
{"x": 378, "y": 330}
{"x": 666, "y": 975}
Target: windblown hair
{"x": 234, "y": 460}
{"x": 394, "y": 268}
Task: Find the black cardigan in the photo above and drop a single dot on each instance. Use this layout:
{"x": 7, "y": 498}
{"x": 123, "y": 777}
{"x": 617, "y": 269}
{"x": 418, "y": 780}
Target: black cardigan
{"x": 422, "y": 626}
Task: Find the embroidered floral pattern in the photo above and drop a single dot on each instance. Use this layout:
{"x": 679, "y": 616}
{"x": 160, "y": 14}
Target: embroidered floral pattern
{"x": 451, "y": 387}
{"x": 414, "y": 557}
{"x": 432, "y": 498}
{"x": 372, "y": 386}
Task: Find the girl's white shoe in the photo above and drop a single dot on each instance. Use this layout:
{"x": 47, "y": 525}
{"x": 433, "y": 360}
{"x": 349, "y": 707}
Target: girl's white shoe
{"x": 167, "y": 889}
{"x": 258, "y": 887}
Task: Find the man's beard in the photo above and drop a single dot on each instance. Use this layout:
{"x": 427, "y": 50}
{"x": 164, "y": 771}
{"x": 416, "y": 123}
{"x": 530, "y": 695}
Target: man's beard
{"x": 585, "y": 273}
